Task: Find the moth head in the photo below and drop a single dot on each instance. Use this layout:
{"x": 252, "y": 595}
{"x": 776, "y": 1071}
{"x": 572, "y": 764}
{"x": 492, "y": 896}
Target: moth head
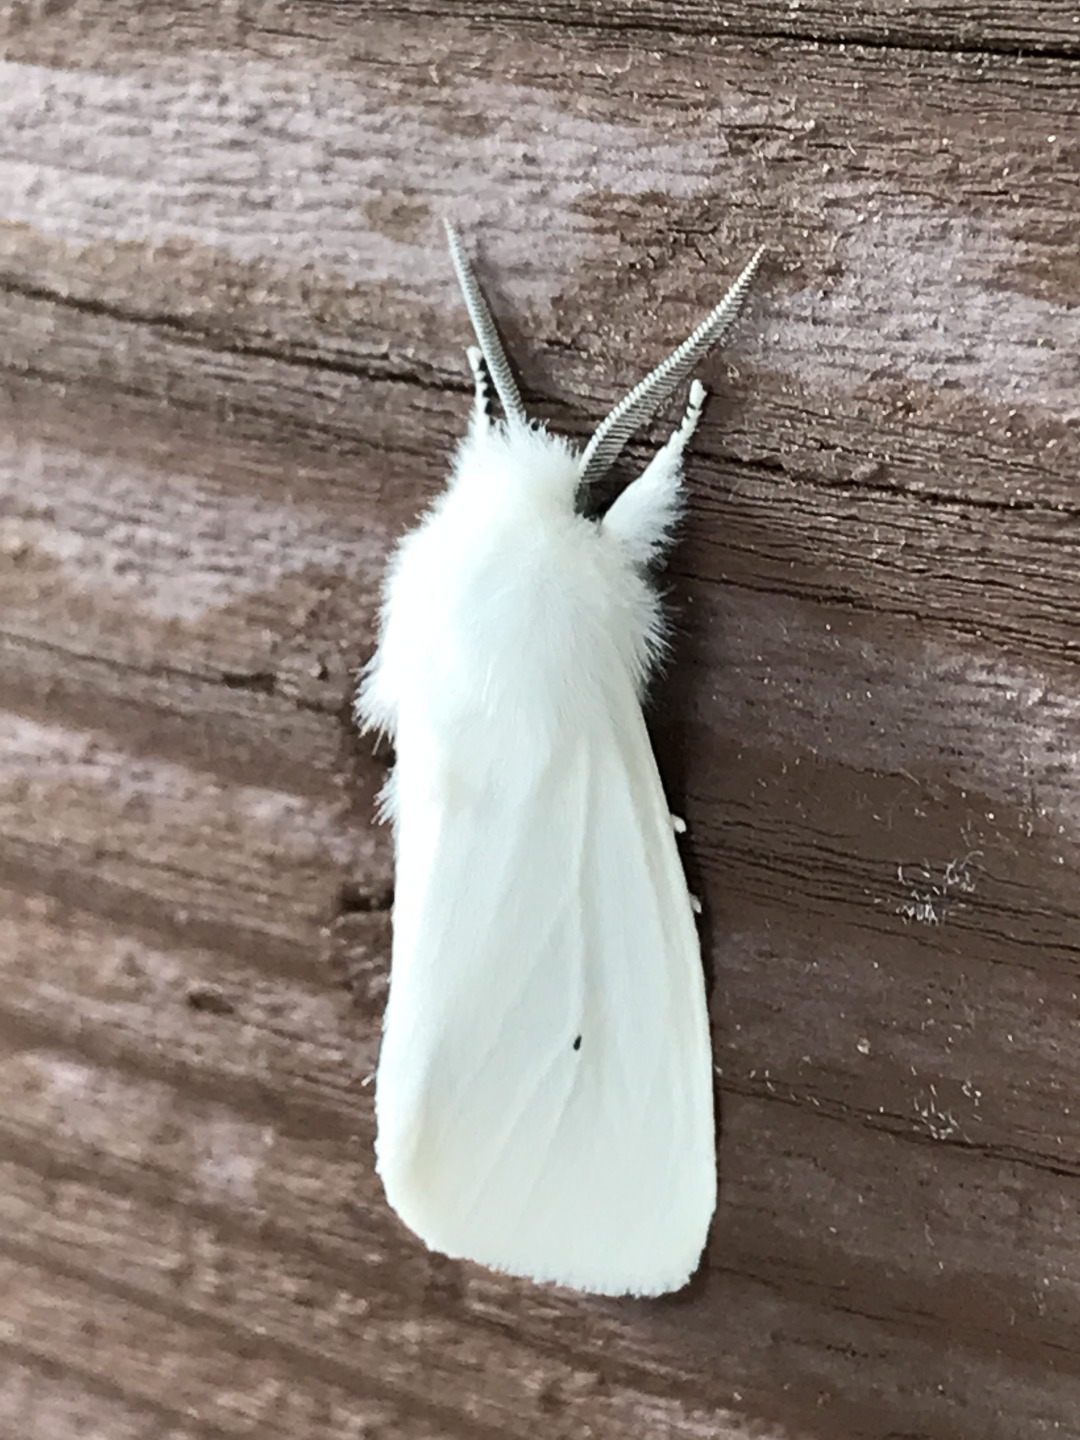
{"x": 633, "y": 410}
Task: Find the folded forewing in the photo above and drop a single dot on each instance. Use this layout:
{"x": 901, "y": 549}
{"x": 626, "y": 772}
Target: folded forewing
{"x": 545, "y": 1083}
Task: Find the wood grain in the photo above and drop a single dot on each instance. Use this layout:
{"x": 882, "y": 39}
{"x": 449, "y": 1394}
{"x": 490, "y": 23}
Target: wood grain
{"x": 231, "y": 373}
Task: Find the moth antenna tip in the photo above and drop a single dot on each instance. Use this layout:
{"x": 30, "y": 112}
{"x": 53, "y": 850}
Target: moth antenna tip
{"x": 752, "y": 266}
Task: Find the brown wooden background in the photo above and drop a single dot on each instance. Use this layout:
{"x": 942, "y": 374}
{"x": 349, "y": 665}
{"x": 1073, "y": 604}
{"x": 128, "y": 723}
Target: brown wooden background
{"x": 232, "y": 370}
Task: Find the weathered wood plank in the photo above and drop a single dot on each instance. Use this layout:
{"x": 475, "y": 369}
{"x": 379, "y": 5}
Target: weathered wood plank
{"x": 42, "y": 31}
{"x": 230, "y": 374}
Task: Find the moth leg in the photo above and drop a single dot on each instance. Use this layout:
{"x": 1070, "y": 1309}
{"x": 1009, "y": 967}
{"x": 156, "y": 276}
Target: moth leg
{"x": 481, "y": 411}
{"x": 678, "y": 824}
{"x": 644, "y": 515}
{"x": 692, "y": 414}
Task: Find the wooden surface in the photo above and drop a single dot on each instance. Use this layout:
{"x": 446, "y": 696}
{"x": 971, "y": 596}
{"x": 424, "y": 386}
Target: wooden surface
{"x": 232, "y": 371}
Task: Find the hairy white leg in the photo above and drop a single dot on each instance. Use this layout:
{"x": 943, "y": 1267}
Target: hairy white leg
{"x": 644, "y": 514}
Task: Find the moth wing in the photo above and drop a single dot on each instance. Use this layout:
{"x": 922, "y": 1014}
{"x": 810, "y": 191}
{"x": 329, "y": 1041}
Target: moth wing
{"x": 544, "y": 1088}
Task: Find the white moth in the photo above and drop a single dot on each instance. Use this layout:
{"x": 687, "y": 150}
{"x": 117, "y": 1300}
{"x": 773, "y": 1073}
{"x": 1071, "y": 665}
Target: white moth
{"x": 544, "y": 1093}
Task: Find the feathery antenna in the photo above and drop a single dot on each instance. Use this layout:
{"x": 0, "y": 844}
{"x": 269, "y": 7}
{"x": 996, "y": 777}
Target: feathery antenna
{"x": 641, "y": 404}
{"x": 491, "y": 346}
